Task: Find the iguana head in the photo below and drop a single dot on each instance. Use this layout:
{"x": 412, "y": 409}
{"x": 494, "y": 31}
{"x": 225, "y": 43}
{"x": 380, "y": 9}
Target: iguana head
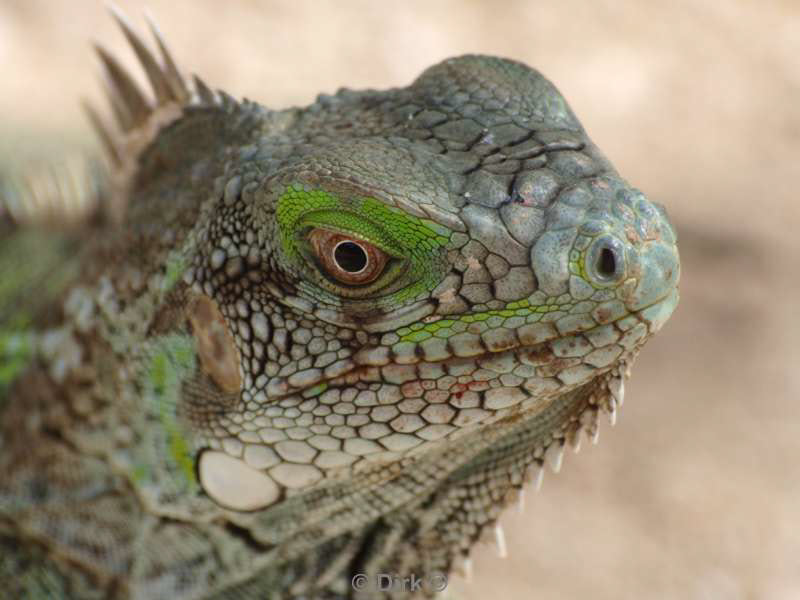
{"x": 392, "y": 271}
{"x": 384, "y": 297}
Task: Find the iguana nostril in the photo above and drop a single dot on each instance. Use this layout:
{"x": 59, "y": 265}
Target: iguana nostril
{"x": 606, "y": 263}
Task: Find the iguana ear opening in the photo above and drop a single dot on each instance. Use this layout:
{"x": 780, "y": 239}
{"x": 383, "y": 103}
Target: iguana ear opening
{"x": 218, "y": 354}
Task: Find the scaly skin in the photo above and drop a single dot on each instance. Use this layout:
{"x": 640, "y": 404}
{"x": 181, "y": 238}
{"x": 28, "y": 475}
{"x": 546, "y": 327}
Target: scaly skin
{"x": 206, "y": 408}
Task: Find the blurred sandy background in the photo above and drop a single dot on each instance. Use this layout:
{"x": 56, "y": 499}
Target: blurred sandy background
{"x": 695, "y": 494}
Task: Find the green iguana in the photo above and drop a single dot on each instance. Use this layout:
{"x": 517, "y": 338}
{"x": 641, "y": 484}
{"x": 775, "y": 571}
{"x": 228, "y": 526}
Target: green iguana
{"x": 299, "y": 353}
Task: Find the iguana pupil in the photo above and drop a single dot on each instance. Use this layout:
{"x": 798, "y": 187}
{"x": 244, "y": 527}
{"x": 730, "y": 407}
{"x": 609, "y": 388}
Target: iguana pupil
{"x": 345, "y": 260}
{"x": 350, "y": 257}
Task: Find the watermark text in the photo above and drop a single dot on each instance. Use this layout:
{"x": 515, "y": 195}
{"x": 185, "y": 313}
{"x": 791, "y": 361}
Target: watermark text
{"x": 392, "y": 582}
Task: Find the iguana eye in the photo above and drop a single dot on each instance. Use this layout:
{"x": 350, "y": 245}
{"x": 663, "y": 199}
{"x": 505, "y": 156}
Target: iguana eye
{"x": 347, "y": 259}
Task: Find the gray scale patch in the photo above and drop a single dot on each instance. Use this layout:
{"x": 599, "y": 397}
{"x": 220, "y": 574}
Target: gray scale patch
{"x": 398, "y": 374}
{"x": 464, "y": 131}
{"x": 550, "y": 368}
{"x": 374, "y": 431}
{"x": 608, "y": 312}
{"x": 324, "y": 360}
{"x": 405, "y": 353}
{"x": 445, "y": 382}
{"x": 476, "y": 293}
{"x": 633, "y": 336}
{"x": 357, "y": 420}
{"x": 458, "y": 239}
{"x": 496, "y": 265}
{"x": 383, "y": 414}
{"x": 564, "y": 216}
{"x": 574, "y": 323}
{"x": 524, "y": 371}
{"x": 407, "y": 423}
{"x": 430, "y": 371}
{"x": 541, "y": 386}
{"x": 582, "y": 307}
{"x": 260, "y": 456}
{"x": 470, "y": 416}
{"x": 466, "y": 345}
{"x": 536, "y": 333}
{"x": 497, "y": 340}
{"x": 324, "y": 442}
{"x": 536, "y": 188}
{"x": 242, "y": 309}
{"x": 576, "y": 374}
{"x": 295, "y": 476}
{"x": 345, "y": 408}
{"x": 524, "y": 223}
{"x": 483, "y": 224}
{"x": 461, "y": 368}
{"x": 331, "y": 459}
{"x": 435, "y": 349}
{"x": 602, "y": 336}
{"x": 571, "y": 346}
{"x": 516, "y": 285}
{"x": 476, "y": 272}
{"x": 504, "y": 135}
{"x": 438, "y": 413}
{"x": 366, "y": 398}
{"x": 484, "y": 375}
{"x": 400, "y": 442}
{"x": 300, "y": 432}
{"x": 389, "y": 394}
{"x": 549, "y": 257}
{"x": 464, "y": 400}
{"x": 486, "y": 190}
{"x": 317, "y": 345}
{"x": 510, "y": 380}
{"x": 579, "y": 288}
{"x": 503, "y": 397}
{"x": 602, "y": 357}
{"x": 218, "y": 258}
{"x": 411, "y": 406}
{"x": 343, "y": 432}
{"x": 444, "y": 217}
{"x": 434, "y": 432}
{"x": 334, "y": 420}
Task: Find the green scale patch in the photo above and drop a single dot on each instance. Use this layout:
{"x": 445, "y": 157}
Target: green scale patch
{"x": 577, "y": 265}
{"x": 513, "y": 315}
{"x": 173, "y": 270}
{"x": 171, "y": 360}
{"x": 415, "y": 246}
{"x": 16, "y": 352}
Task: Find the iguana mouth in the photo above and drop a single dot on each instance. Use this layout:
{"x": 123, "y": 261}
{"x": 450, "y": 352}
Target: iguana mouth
{"x": 524, "y": 372}
{"x": 552, "y": 353}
